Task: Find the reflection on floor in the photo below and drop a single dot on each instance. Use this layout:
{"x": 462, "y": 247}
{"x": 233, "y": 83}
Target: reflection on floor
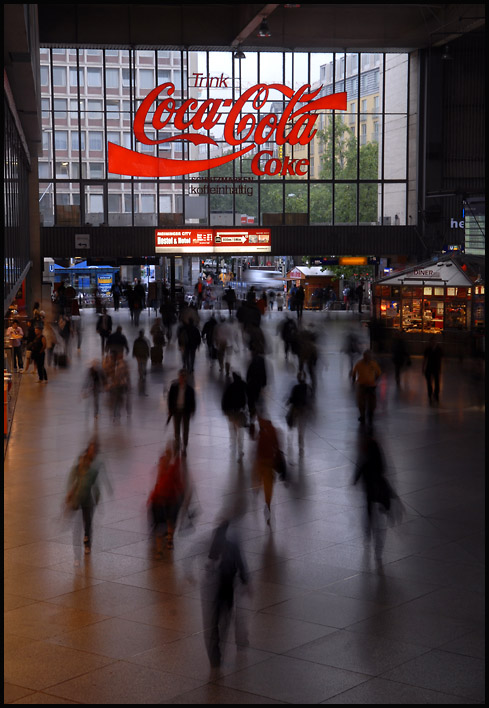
{"x": 324, "y": 622}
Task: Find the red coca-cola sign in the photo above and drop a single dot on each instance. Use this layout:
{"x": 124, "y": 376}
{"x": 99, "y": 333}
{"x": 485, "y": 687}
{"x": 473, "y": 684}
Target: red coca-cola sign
{"x": 243, "y": 131}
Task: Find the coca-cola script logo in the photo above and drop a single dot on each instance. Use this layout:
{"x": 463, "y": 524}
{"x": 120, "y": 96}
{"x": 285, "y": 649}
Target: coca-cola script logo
{"x": 243, "y": 132}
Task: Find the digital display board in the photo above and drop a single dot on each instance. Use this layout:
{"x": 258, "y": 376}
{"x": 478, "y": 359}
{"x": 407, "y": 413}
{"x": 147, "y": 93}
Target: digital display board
{"x": 219, "y": 240}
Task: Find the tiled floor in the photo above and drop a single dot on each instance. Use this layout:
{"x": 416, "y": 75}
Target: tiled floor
{"x": 324, "y": 623}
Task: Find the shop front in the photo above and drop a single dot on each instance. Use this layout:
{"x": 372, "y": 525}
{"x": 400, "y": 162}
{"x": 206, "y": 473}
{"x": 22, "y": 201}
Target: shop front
{"x": 443, "y": 298}
{"x": 314, "y": 280}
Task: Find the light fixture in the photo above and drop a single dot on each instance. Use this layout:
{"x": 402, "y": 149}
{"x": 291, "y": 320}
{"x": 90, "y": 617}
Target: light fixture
{"x": 264, "y": 30}
{"x": 446, "y": 53}
{"x": 239, "y": 55}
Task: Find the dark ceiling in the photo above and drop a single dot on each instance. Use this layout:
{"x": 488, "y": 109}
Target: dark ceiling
{"x": 310, "y": 26}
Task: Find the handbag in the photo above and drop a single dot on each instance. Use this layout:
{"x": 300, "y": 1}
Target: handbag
{"x": 280, "y": 465}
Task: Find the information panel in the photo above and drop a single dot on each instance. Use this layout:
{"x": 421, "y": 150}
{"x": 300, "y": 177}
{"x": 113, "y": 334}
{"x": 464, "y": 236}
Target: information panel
{"x": 212, "y": 241}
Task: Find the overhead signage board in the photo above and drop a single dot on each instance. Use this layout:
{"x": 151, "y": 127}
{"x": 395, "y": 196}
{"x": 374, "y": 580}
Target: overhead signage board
{"x": 220, "y": 240}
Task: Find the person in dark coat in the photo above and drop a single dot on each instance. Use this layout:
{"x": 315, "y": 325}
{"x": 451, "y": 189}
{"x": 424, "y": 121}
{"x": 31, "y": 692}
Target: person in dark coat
{"x": 208, "y": 337}
{"x": 141, "y": 351}
{"x": 181, "y": 407}
{"x": 300, "y": 297}
{"x": 299, "y": 402}
{"x": 189, "y": 340}
{"x": 381, "y": 500}
{"x": 233, "y": 404}
{"x": 117, "y": 343}
{"x": 433, "y": 355}
{"x": 256, "y": 380}
{"x": 288, "y": 332}
{"x": 400, "y": 356}
{"x": 168, "y": 316}
{"x": 226, "y": 564}
{"x": 104, "y": 328}
{"x": 139, "y": 301}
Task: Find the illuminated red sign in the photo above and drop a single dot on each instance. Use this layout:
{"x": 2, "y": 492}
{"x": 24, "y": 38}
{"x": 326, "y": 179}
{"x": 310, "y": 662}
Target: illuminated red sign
{"x": 243, "y": 132}
{"x": 219, "y": 240}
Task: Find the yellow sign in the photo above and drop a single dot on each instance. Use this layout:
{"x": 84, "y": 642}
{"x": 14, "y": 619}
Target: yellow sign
{"x": 353, "y": 261}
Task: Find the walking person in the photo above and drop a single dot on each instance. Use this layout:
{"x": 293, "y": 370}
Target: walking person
{"x": 233, "y": 404}
{"x": 189, "y": 340}
{"x": 267, "y": 461}
{"x": 84, "y": 490}
{"x": 299, "y": 402}
{"x": 300, "y": 297}
{"x": 29, "y": 338}
{"x": 382, "y": 504}
{"x": 141, "y": 351}
{"x": 256, "y": 380}
{"x": 139, "y": 300}
{"x": 433, "y": 355}
{"x": 359, "y": 292}
{"x": 226, "y": 565}
{"x": 95, "y": 381}
{"x": 117, "y": 343}
{"x": 400, "y": 356}
{"x": 38, "y": 349}
{"x": 15, "y": 333}
{"x": 181, "y": 407}
{"x": 104, "y": 328}
{"x": 280, "y": 301}
{"x": 166, "y": 499}
{"x": 366, "y": 372}
{"x": 120, "y": 387}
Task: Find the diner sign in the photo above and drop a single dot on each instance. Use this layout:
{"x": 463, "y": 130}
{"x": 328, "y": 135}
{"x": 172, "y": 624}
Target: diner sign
{"x": 243, "y": 131}
{"x": 424, "y": 274}
{"x": 212, "y": 241}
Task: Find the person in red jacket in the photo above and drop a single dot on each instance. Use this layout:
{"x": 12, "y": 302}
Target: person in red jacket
{"x": 166, "y": 498}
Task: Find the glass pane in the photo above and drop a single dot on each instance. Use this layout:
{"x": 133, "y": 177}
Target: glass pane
{"x": 68, "y": 205}
{"x": 345, "y": 208}
{"x": 321, "y": 204}
{"x": 271, "y": 204}
{"x": 368, "y": 206}
{"x": 46, "y": 203}
{"x": 396, "y": 74}
{"x": 395, "y": 204}
{"x": 395, "y": 147}
{"x": 345, "y": 149}
{"x": 94, "y": 205}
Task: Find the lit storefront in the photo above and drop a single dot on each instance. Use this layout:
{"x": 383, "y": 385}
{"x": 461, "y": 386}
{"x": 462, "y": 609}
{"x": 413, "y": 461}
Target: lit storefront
{"x": 441, "y": 298}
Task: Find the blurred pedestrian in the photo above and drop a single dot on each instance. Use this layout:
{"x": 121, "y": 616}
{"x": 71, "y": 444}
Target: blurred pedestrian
{"x": 120, "y": 387}
{"x": 94, "y": 384}
{"x": 359, "y": 293}
{"x": 166, "y": 498}
{"x": 15, "y": 333}
{"x": 104, "y": 328}
{"x": 400, "y": 356}
{"x": 139, "y": 301}
{"x": 351, "y": 347}
{"x": 366, "y": 372}
{"x": 76, "y": 323}
{"x": 141, "y": 351}
{"x": 84, "y": 489}
{"x": 300, "y": 405}
{"x": 300, "y": 297}
{"x": 280, "y": 301}
{"x": 116, "y": 294}
{"x": 433, "y": 355}
{"x": 227, "y": 563}
{"x": 117, "y": 342}
{"x": 38, "y": 349}
{"x": 181, "y": 407}
{"x": 30, "y": 336}
{"x": 189, "y": 340}
{"x": 223, "y": 343}
{"x": 168, "y": 317}
{"x": 208, "y": 337}
{"x": 256, "y": 380}
{"x": 288, "y": 332}
{"x": 268, "y": 460}
{"x": 233, "y": 404}
{"x": 307, "y": 353}
{"x": 382, "y": 504}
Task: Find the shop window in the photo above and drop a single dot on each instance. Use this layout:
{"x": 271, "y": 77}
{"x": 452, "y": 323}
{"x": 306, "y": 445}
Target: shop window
{"x": 433, "y": 316}
{"x": 456, "y": 315}
{"x": 439, "y": 292}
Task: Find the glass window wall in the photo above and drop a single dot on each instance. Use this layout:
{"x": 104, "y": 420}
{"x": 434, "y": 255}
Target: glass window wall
{"x": 353, "y": 169}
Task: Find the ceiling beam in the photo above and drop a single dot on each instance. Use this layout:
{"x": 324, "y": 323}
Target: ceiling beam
{"x": 253, "y": 24}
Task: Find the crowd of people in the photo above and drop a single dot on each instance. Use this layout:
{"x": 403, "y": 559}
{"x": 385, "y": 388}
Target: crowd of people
{"x": 226, "y": 342}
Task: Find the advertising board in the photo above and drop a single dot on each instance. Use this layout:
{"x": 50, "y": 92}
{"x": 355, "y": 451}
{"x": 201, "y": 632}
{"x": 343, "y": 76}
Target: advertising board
{"x": 201, "y": 241}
